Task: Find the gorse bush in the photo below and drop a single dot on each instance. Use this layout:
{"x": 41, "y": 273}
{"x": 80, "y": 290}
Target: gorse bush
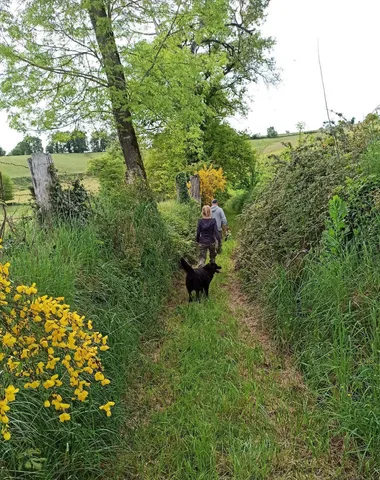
{"x": 212, "y": 181}
{"x": 47, "y": 347}
{"x": 116, "y": 270}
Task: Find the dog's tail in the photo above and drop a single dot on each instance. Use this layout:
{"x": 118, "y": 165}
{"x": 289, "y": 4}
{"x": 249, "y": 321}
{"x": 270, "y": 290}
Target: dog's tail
{"x": 186, "y": 266}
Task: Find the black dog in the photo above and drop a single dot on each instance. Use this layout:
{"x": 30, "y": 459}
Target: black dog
{"x": 199, "y": 279}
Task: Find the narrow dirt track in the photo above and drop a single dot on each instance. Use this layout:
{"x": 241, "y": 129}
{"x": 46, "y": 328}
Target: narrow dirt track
{"x": 214, "y": 399}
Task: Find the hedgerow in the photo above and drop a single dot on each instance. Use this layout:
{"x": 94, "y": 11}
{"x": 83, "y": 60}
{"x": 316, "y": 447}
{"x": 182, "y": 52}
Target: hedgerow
{"x": 311, "y": 244}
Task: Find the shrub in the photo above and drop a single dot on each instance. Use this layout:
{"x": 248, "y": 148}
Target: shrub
{"x": 71, "y": 203}
{"x": 7, "y": 191}
{"x": 288, "y": 215}
{"x": 181, "y": 221}
{"x": 109, "y": 168}
{"x": 212, "y": 181}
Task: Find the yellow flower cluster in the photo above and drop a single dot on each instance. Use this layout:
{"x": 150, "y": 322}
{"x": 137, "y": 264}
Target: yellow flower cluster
{"x": 212, "y": 180}
{"x": 45, "y": 346}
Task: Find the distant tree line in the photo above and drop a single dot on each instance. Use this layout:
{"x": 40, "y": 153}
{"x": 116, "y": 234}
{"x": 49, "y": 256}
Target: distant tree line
{"x": 76, "y": 142}
{"x": 63, "y": 142}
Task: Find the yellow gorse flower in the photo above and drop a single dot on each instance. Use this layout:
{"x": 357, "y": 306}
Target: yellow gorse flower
{"x": 45, "y": 346}
{"x": 107, "y": 408}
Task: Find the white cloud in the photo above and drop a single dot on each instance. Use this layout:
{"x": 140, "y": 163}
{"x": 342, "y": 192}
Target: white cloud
{"x": 8, "y": 137}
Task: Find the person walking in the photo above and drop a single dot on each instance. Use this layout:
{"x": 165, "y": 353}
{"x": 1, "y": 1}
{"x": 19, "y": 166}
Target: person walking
{"x": 218, "y": 214}
{"x": 207, "y": 236}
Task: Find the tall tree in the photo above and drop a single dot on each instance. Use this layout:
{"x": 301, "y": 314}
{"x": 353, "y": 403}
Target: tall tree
{"x": 78, "y": 141}
{"x": 99, "y": 141}
{"x": 203, "y": 72}
{"x": 165, "y": 64}
{"x": 2, "y": 152}
{"x": 60, "y": 142}
{"x": 272, "y": 132}
{"x": 64, "y": 56}
{"x": 27, "y": 146}
{"x": 226, "y": 148}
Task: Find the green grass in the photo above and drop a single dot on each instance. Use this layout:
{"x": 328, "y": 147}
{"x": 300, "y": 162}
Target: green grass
{"x": 267, "y": 146}
{"x": 329, "y": 316}
{"x": 213, "y": 400}
{"x": 66, "y": 163}
{"x": 116, "y": 271}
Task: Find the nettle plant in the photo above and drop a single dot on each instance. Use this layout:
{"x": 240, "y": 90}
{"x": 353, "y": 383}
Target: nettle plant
{"x": 47, "y": 347}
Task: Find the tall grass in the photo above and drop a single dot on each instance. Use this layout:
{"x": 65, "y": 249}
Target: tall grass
{"x": 330, "y": 318}
{"x": 116, "y": 271}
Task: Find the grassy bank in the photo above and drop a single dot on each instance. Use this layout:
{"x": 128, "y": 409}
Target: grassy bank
{"x": 309, "y": 252}
{"x": 330, "y": 318}
{"x": 116, "y": 271}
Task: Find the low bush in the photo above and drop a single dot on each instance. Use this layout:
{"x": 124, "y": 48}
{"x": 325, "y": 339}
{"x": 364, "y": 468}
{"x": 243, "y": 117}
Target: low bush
{"x": 109, "y": 168}
{"x": 181, "y": 221}
{"x": 238, "y": 201}
{"x": 115, "y": 270}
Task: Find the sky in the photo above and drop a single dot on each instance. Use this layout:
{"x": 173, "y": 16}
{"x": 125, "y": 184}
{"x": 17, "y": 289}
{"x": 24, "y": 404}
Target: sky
{"x": 349, "y": 46}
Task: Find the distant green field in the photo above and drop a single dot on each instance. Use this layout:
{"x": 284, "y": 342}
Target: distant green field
{"x": 66, "y": 163}
{"x": 17, "y": 168}
{"x": 267, "y": 146}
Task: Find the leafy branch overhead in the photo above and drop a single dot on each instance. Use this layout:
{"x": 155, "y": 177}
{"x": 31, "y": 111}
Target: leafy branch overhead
{"x": 154, "y": 65}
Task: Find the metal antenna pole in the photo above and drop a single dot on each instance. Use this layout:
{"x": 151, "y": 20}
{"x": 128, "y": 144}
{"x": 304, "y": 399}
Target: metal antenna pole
{"x": 326, "y": 105}
{"x": 323, "y": 84}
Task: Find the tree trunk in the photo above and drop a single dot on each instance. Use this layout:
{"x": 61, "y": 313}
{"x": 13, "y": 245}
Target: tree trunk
{"x": 41, "y": 171}
{"x": 117, "y": 87}
{"x": 195, "y": 188}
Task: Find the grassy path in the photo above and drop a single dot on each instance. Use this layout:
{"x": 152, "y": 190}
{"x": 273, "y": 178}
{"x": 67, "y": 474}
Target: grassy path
{"x": 213, "y": 399}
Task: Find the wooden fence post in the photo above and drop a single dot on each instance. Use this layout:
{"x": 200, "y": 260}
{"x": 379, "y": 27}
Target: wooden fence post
{"x": 42, "y": 172}
{"x": 195, "y": 188}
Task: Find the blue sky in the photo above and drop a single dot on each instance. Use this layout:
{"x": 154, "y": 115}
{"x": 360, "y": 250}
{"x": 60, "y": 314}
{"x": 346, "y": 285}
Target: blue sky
{"x": 349, "y": 46}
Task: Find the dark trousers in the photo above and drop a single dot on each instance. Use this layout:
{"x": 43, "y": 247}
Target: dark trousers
{"x": 219, "y": 249}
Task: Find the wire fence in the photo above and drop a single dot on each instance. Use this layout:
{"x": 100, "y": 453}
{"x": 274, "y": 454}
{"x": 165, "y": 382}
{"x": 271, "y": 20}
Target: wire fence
{"x": 23, "y": 193}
